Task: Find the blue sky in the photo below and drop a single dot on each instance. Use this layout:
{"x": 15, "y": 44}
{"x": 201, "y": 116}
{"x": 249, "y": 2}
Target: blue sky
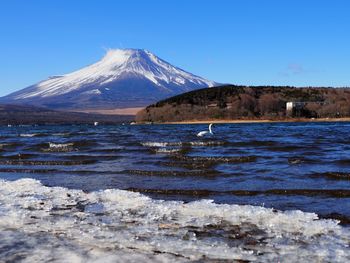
{"x": 252, "y": 42}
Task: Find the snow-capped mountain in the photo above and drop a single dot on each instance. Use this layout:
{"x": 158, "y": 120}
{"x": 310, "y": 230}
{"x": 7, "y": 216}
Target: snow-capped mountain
{"x": 122, "y": 78}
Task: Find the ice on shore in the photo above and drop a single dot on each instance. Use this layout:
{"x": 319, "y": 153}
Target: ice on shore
{"x": 39, "y": 223}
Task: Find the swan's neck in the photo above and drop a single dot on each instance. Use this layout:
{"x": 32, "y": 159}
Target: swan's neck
{"x": 210, "y": 129}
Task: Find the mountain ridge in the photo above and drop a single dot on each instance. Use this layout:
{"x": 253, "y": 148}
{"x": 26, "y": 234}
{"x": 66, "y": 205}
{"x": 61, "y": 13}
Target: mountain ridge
{"x": 122, "y": 78}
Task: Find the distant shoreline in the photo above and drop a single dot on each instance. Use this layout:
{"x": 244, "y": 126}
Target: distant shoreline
{"x": 252, "y": 121}
{"x": 116, "y": 111}
{"x": 246, "y": 104}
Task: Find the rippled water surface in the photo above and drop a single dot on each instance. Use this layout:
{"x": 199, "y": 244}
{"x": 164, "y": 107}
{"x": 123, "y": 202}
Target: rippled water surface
{"x": 258, "y": 176}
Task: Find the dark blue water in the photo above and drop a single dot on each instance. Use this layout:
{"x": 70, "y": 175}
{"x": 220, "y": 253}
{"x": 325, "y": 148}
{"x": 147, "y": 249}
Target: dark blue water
{"x": 286, "y": 166}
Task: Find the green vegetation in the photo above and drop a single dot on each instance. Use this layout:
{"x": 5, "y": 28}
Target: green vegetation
{"x": 243, "y": 102}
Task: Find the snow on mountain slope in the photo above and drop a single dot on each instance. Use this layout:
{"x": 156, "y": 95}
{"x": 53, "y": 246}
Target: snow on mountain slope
{"x": 124, "y": 77}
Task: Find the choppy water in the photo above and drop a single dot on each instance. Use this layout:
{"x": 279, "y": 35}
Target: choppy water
{"x": 277, "y": 191}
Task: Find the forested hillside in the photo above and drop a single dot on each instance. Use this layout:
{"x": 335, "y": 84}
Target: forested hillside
{"x": 243, "y": 102}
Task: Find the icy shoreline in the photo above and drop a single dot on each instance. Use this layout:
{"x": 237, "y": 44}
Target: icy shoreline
{"x": 39, "y": 223}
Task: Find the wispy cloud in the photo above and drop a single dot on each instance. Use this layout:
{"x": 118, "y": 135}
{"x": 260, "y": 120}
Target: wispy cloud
{"x": 296, "y": 69}
{"x": 293, "y": 69}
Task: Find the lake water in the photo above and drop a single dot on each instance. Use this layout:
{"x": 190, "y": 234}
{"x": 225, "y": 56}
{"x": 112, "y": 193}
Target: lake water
{"x": 251, "y": 192}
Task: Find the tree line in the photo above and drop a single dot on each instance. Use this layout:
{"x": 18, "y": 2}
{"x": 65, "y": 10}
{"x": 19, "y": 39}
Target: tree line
{"x": 244, "y": 102}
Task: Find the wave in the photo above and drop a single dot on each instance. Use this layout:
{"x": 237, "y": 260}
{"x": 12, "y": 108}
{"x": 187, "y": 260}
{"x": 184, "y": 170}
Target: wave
{"x": 177, "y": 147}
{"x": 61, "y": 134}
{"x": 46, "y": 162}
{"x": 333, "y": 175}
{"x": 207, "y": 173}
{"x": 161, "y": 144}
{"x": 336, "y": 193}
{"x": 194, "y": 143}
{"x": 28, "y": 135}
{"x": 206, "y": 143}
{"x": 253, "y": 143}
{"x": 9, "y": 145}
{"x": 19, "y": 156}
{"x": 216, "y": 159}
{"x": 59, "y": 147}
{"x": 3, "y": 145}
{"x": 165, "y": 150}
{"x": 113, "y": 225}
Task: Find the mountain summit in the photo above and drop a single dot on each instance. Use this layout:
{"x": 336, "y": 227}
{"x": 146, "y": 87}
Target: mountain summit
{"x": 122, "y": 78}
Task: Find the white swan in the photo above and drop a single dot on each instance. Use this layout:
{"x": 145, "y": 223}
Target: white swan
{"x": 202, "y": 133}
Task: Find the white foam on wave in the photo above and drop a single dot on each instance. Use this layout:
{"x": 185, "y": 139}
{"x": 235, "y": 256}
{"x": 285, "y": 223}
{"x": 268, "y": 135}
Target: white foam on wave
{"x": 207, "y": 143}
{"x": 117, "y": 225}
{"x": 166, "y": 150}
{"x": 28, "y": 134}
{"x": 194, "y": 143}
{"x": 161, "y": 144}
{"x": 60, "y": 145}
